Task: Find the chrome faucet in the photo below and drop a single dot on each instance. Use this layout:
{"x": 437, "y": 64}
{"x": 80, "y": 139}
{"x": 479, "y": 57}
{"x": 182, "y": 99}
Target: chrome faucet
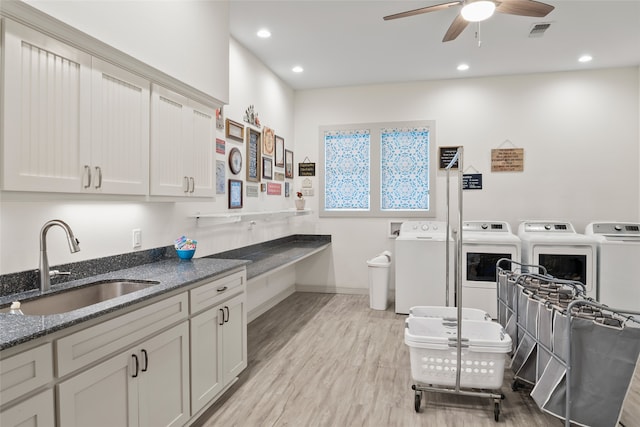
{"x": 45, "y": 274}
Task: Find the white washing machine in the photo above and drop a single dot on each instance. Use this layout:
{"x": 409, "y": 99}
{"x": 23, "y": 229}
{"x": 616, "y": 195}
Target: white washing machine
{"x": 563, "y": 252}
{"x": 618, "y": 263}
{"x": 483, "y": 244}
{"x": 421, "y": 265}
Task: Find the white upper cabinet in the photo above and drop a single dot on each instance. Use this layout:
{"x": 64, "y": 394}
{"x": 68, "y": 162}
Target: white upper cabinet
{"x": 120, "y": 128}
{"x": 47, "y": 112}
{"x": 182, "y": 145}
{"x": 73, "y": 123}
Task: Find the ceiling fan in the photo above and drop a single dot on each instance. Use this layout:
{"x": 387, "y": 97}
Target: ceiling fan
{"x": 479, "y": 10}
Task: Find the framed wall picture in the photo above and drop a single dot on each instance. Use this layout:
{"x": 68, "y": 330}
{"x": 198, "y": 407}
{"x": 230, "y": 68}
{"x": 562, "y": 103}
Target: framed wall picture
{"x": 235, "y": 130}
{"x": 288, "y": 164}
{"x": 268, "y": 141}
{"x": 235, "y": 194}
{"x": 267, "y": 172}
{"x": 279, "y": 157}
{"x": 253, "y": 155}
{"x": 235, "y": 161}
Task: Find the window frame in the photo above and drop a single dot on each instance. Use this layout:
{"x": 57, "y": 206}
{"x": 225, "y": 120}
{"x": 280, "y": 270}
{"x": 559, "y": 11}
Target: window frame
{"x": 375, "y": 172}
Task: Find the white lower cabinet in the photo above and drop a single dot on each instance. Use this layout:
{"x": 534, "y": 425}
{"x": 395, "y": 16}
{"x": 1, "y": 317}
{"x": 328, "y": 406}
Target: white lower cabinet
{"x": 37, "y": 411}
{"x": 147, "y": 385}
{"x": 218, "y": 349}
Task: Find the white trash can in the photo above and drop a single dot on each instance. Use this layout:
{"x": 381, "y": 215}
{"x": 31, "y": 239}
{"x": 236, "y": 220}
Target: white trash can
{"x": 379, "y": 280}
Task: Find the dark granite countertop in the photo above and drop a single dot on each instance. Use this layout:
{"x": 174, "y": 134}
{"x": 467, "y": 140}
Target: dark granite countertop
{"x": 171, "y": 273}
{"x": 266, "y": 257}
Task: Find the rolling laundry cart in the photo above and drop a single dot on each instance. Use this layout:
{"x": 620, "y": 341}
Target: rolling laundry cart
{"x": 456, "y": 355}
{"x": 583, "y": 353}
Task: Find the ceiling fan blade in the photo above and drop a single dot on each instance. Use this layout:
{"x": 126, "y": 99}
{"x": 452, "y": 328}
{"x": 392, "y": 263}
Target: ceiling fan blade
{"x": 422, "y": 10}
{"x": 524, "y": 8}
{"x": 457, "y": 26}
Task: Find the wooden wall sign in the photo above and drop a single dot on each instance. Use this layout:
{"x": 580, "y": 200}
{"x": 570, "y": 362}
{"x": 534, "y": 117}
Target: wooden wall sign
{"x": 306, "y": 169}
{"x": 472, "y": 181}
{"x": 507, "y": 160}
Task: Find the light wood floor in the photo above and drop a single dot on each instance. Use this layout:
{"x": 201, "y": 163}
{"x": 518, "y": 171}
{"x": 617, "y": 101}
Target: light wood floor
{"x": 329, "y": 360}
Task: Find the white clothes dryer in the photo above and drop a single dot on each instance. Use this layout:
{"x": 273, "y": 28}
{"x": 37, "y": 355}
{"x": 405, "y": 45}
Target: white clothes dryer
{"x": 421, "y": 265}
{"x": 564, "y": 253}
{"x": 618, "y": 263}
{"x": 483, "y": 244}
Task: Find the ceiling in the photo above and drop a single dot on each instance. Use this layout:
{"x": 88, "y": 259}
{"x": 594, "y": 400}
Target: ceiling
{"x": 345, "y": 43}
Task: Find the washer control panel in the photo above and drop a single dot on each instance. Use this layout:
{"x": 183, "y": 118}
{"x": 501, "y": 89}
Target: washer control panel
{"x": 616, "y": 229}
{"x": 547, "y": 227}
{"x": 423, "y": 229}
{"x": 486, "y": 227}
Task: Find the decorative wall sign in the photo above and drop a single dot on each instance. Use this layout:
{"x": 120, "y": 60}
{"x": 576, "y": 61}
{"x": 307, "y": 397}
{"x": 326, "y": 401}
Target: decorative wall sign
{"x": 306, "y": 168}
{"x": 279, "y": 159}
{"x": 446, "y": 154}
{"x": 507, "y": 160}
{"x": 268, "y": 141}
{"x": 307, "y": 183}
{"x": 287, "y": 192}
{"x": 288, "y": 163}
{"x": 274, "y": 189}
{"x": 253, "y": 155}
{"x": 278, "y": 176}
{"x": 235, "y": 130}
{"x": 251, "y": 117}
{"x": 235, "y": 161}
{"x": 219, "y": 120}
{"x": 235, "y": 194}
{"x": 472, "y": 181}
{"x": 252, "y": 191}
{"x": 220, "y": 176}
{"x": 263, "y": 188}
{"x": 220, "y": 146}
{"x": 267, "y": 173}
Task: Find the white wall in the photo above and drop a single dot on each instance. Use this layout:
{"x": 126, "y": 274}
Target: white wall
{"x": 579, "y": 131}
{"x": 186, "y": 39}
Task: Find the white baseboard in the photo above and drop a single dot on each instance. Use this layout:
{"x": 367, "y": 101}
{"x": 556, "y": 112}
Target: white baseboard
{"x": 269, "y": 304}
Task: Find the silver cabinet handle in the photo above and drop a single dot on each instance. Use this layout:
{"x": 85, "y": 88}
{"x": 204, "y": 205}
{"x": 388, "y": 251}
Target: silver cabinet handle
{"x": 87, "y": 170}
{"x": 99, "y": 172}
{"x": 186, "y": 181}
{"x": 193, "y": 184}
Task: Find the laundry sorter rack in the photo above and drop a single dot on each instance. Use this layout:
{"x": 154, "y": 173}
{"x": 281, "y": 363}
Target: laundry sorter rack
{"x": 465, "y": 354}
{"x": 579, "y": 355}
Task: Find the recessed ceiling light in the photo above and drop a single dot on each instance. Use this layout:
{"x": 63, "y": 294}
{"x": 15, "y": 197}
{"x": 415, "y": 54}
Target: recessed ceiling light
{"x": 264, "y": 33}
{"x": 585, "y": 58}
{"x": 297, "y": 69}
{"x": 463, "y": 67}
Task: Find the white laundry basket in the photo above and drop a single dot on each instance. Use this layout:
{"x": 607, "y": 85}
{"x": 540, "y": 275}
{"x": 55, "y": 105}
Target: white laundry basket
{"x": 448, "y": 313}
{"x": 379, "y": 280}
{"x": 433, "y": 352}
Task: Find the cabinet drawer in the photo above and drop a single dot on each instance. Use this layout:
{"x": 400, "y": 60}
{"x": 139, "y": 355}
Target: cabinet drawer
{"x": 24, "y": 372}
{"x": 96, "y": 342}
{"x": 217, "y": 291}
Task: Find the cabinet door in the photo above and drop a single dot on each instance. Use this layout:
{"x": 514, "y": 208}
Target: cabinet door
{"x": 47, "y": 89}
{"x": 120, "y": 130}
{"x": 105, "y": 395}
{"x": 206, "y": 365}
{"x": 164, "y": 378}
{"x": 234, "y": 338}
{"x": 201, "y": 167}
{"x": 37, "y": 411}
{"x": 170, "y": 133}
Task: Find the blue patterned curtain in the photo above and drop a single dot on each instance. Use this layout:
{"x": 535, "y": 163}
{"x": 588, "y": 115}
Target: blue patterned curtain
{"x": 404, "y": 169}
{"x": 347, "y": 170}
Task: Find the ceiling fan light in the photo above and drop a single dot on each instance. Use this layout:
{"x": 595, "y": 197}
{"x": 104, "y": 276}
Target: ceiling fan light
{"x": 478, "y": 10}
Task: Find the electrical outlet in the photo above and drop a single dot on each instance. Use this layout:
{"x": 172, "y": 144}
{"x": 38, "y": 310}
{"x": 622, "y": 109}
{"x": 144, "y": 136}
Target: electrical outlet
{"x": 137, "y": 238}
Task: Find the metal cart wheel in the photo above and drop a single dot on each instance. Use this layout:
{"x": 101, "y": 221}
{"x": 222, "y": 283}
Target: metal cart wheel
{"x": 496, "y": 411}
{"x": 515, "y": 385}
{"x": 417, "y": 399}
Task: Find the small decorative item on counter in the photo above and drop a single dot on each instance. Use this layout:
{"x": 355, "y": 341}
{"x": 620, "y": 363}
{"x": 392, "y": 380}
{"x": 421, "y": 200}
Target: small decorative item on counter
{"x": 185, "y": 248}
{"x": 299, "y": 201}
{"x": 15, "y": 308}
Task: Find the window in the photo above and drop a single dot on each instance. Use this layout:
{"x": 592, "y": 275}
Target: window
{"x": 378, "y": 170}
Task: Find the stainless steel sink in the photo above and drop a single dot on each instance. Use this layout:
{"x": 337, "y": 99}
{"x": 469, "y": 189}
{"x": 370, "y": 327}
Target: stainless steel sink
{"x": 85, "y": 296}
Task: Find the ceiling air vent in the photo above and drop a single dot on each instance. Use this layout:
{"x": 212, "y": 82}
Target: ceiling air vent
{"x": 537, "y": 30}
